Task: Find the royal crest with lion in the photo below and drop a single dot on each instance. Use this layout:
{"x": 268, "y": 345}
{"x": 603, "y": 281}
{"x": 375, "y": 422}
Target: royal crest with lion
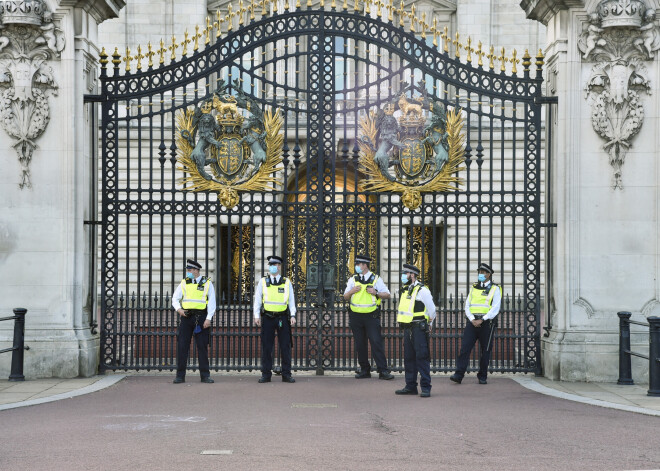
{"x": 417, "y": 150}
{"x": 227, "y": 144}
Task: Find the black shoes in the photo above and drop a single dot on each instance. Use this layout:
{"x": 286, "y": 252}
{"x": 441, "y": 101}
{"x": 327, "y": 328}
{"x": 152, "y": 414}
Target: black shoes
{"x": 207, "y": 380}
{"x": 287, "y": 379}
{"x": 425, "y": 393}
{"x": 178, "y": 380}
{"x": 264, "y": 379}
{"x": 405, "y": 391}
{"x": 363, "y": 374}
{"x": 455, "y": 378}
{"x": 482, "y": 381}
{"x": 385, "y": 375}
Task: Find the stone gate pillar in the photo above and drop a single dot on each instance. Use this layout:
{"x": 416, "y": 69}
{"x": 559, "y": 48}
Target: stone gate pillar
{"x": 48, "y": 61}
{"x": 602, "y": 63}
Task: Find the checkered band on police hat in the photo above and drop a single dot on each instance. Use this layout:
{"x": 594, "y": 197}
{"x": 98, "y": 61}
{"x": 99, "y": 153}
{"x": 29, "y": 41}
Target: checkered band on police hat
{"x": 193, "y": 264}
{"x": 362, "y": 259}
{"x": 411, "y": 268}
{"x": 273, "y": 259}
{"x": 485, "y": 267}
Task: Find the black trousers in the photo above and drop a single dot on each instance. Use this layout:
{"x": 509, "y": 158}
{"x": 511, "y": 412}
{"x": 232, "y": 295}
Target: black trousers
{"x": 270, "y": 325}
{"x": 367, "y": 326}
{"x": 470, "y": 336}
{"x": 185, "y": 333}
{"x": 416, "y": 356}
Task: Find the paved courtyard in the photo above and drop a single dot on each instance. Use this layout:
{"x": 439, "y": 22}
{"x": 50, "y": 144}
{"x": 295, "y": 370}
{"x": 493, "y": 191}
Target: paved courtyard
{"x": 331, "y": 422}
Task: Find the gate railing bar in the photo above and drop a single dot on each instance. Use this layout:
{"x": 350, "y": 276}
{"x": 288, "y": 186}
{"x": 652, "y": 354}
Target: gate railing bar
{"x": 625, "y": 353}
{"x": 19, "y": 347}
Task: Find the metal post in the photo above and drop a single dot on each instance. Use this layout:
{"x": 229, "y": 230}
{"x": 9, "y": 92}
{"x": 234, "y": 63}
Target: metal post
{"x": 654, "y": 356}
{"x": 625, "y": 367}
{"x": 19, "y": 345}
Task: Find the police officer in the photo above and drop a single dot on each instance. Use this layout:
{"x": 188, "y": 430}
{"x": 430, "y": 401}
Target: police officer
{"x": 194, "y": 301}
{"x": 365, "y": 291}
{"x": 273, "y": 297}
{"x": 416, "y": 315}
{"x": 481, "y": 308}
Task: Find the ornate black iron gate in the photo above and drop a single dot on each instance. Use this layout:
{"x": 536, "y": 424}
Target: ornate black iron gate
{"x": 315, "y": 135}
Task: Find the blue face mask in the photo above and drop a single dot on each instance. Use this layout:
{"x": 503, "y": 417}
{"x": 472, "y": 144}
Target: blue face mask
{"x": 358, "y": 269}
{"x": 481, "y": 277}
{"x": 189, "y": 275}
{"x": 404, "y": 278}
{"x": 272, "y": 269}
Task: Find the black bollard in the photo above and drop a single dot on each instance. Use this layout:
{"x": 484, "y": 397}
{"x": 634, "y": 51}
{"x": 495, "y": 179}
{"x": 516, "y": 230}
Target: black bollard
{"x": 625, "y": 366}
{"x": 654, "y": 356}
{"x": 19, "y": 345}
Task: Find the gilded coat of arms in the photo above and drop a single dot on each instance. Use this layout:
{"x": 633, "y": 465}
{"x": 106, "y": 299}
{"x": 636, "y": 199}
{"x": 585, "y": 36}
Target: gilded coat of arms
{"x": 228, "y": 144}
{"x": 419, "y": 151}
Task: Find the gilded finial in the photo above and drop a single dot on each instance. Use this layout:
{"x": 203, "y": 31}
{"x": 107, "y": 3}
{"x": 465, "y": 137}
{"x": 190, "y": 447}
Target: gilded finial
{"x": 172, "y": 49}
{"x": 457, "y": 46}
{"x": 322, "y": 3}
{"x": 435, "y": 32}
{"x": 333, "y": 4}
{"x": 379, "y": 4}
{"x": 480, "y": 54}
{"x": 514, "y": 63}
{"x": 424, "y": 25}
{"x": 413, "y": 19}
{"x": 230, "y": 18}
{"x": 241, "y": 12}
{"x": 207, "y": 31}
{"x": 161, "y": 52}
{"x": 197, "y": 36}
{"x": 469, "y": 50}
{"x": 116, "y": 58}
{"x": 402, "y": 15}
{"x": 539, "y": 59}
{"x": 185, "y": 43}
{"x": 356, "y": 5}
{"x": 128, "y": 59}
{"x": 445, "y": 39}
{"x": 252, "y": 7}
{"x": 491, "y": 58}
{"x": 286, "y": 5}
{"x": 390, "y": 8}
{"x": 503, "y": 60}
{"x": 367, "y": 7}
{"x": 103, "y": 57}
{"x": 527, "y": 60}
{"x": 345, "y": 5}
{"x": 150, "y": 55}
{"x": 139, "y": 56}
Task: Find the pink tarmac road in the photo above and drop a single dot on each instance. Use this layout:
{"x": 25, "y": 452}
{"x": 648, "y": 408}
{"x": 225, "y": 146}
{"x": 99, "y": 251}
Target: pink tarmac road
{"x": 147, "y": 423}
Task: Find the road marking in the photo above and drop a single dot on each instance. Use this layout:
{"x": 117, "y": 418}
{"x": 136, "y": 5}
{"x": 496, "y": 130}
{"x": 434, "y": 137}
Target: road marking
{"x": 217, "y": 452}
{"x": 303, "y": 405}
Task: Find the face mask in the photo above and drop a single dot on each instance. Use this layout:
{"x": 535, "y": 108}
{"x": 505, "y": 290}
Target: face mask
{"x": 404, "y": 278}
{"x": 189, "y": 275}
{"x": 358, "y": 269}
{"x": 481, "y": 277}
{"x": 272, "y": 269}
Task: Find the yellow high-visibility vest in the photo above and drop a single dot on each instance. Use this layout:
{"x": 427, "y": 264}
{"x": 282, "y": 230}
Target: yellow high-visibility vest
{"x": 195, "y": 295}
{"x": 362, "y": 301}
{"x": 407, "y": 306}
{"x": 481, "y": 303}
{"x": 275, "y": 298}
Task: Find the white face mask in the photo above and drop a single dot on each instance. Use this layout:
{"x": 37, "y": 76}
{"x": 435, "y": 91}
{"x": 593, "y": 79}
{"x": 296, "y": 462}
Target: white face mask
{"x": 358, "y": 269}
{"x": 272, "y": 269}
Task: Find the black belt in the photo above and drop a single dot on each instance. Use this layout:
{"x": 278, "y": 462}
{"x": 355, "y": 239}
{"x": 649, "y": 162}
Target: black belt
{"x": 478, "y": 317}
{"x": 273, "y": 315}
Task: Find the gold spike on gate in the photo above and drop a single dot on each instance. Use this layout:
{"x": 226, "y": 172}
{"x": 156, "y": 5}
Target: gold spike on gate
{"x": 127, "y": 59}
{"x": 172, "y": 48}
{"x": 139, "y": 58}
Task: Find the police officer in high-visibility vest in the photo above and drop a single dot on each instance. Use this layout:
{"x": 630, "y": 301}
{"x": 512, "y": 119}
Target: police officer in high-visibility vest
{"x": 273, "y": 297}
{"x": 415, "y": 315}
{"x": 365, "y": 291}
{"x": 481, "y": 308}
{"x": 194, "y": 301}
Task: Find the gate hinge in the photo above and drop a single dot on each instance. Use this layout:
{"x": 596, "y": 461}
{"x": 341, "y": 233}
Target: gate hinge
{"x": 93, "y": 223}
{"x": 92, "y": 98}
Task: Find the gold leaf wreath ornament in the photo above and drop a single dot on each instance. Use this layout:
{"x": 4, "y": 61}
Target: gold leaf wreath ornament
{"x": 261, "y": 180}
{"x": 444, "y": 180}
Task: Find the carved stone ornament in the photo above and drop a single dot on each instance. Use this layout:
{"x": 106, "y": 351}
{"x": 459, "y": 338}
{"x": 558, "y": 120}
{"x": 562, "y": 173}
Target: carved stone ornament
{"x": 28, "y": 39}
{"x": 620, "y": 37}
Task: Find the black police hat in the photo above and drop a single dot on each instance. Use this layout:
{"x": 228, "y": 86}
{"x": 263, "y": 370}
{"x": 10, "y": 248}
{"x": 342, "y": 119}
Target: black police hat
{"x": 273, "y": 259}
{"x": 485, "y": 267}
{"x": 193, "y": 264}
{"x": 411, "y": 268}
{"x": 362, "y": 259}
